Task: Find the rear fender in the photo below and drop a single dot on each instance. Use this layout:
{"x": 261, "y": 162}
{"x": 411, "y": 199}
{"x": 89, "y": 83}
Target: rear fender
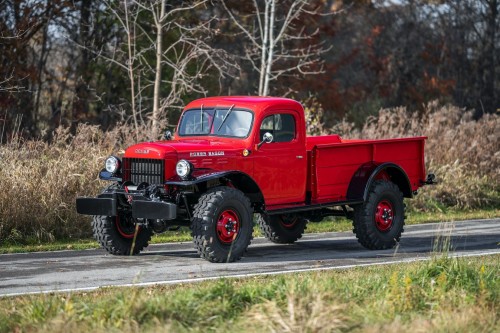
{"x": 364, "y": 177}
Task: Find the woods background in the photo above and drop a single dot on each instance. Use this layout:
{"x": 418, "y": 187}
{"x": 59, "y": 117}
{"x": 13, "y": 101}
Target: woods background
{"x": 107, "y": 62}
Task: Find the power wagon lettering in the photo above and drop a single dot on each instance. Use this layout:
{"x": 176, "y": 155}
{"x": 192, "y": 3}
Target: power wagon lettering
{"x": 271, "y": 169}
{"x": 210, "y": 153}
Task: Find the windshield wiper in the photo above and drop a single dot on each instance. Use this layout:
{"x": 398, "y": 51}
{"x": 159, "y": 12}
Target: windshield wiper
{"x": 201, "y": 116}
{"x": 225, "y": 117}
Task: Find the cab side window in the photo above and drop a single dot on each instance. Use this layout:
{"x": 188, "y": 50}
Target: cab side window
{"x": 281, "y": 126}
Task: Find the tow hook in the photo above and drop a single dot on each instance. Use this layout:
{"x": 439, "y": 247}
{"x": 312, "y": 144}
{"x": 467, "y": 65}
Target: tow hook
{"x": 129, "y": 197}
{"x": 431, "y": 179}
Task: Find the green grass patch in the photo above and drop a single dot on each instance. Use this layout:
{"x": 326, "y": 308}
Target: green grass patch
{"x": 450, "y": 215}
{"x": 183, "y": 234}
{"x": 441, "y": 295}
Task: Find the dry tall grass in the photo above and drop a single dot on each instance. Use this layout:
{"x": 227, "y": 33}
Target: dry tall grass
{"x": 463, "y": 153}
{"x": 40, "y": 181}
{"x": 303, "y": 314}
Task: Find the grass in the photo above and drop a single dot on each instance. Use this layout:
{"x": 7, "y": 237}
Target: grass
{"x": 450, "y": 215}
{"x": 183, "y": 234}
{"x": 441, "y": 295}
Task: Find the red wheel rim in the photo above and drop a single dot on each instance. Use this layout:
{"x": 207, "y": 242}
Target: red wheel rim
{"x": 124, "y": 227}
{"x": 384, "y": 215}
{"x": 228, "y": 226}
{"x": 288, "y": 222}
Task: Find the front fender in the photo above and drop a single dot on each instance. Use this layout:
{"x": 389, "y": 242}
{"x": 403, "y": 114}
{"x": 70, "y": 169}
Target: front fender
{"x": 105, "y": 175}
{"x": 199, "y": 176}
{"x": 238, "y": 179}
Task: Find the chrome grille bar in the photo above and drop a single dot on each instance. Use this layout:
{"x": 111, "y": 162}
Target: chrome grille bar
{"x": 143, "y": 170}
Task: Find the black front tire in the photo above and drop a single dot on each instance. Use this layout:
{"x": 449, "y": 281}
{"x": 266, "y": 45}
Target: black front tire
{"x": 378, "y": 223}
{"x": 116, "y": 234}
{"x": 282, "y": 229}
{"x": 222, "y": 225}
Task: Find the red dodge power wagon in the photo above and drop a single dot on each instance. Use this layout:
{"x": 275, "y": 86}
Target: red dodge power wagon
{"x": 236, "y": 156}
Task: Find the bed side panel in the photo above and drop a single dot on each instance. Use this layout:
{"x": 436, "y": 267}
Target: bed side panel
{"x": 333, "y": 166}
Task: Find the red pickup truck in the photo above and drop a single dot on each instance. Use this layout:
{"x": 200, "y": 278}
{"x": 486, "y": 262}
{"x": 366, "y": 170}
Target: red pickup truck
{"x": 236, "y": 156}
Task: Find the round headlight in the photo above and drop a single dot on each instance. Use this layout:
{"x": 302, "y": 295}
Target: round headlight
{"x": 183, "y": 168}
{"x": 112, "y": 164}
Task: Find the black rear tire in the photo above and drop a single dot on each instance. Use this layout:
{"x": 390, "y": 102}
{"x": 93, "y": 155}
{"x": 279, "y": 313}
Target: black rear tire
{"x": 116, "y": 234}
{"x": 378, "y": 223}
{"x": 282, "y": 229}
{"x": 222, "y": 224}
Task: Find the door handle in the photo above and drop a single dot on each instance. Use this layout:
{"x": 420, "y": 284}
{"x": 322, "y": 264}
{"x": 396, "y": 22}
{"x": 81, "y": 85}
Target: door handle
{"x": 300, "y": 156}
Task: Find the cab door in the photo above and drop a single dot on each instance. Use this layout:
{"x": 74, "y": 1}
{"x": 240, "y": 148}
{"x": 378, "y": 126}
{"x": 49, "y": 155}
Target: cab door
{"x": 280, "y": 167}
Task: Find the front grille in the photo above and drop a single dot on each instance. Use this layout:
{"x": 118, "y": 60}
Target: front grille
{"x": 140, "y": 170}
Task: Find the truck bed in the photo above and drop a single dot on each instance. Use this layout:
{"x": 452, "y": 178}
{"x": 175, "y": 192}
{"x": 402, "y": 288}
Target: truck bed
{"x": 333, "y": 161}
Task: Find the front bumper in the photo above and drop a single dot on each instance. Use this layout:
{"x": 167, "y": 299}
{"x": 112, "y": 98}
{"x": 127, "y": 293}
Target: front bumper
{"x": 108, "y": 206}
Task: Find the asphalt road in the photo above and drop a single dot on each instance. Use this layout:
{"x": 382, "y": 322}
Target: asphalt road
{"x": 173, "y": 263}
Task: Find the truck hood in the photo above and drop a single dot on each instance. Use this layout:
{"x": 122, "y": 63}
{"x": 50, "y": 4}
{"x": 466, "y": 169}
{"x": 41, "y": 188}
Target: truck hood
{"x": 184, "y": 149}
{"x": 204, "y": 155}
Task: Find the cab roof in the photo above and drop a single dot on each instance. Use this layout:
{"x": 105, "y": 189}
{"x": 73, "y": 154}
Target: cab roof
{"x": 256, "y": 103}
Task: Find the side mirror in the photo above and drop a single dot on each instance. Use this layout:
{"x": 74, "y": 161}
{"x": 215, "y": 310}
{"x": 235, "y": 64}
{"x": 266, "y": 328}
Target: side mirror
{"x": 168, "y": 135}
{"x": 266, "y": 138}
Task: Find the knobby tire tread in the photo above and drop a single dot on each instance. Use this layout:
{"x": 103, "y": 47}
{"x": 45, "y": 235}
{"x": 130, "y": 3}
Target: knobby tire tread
{"x": 204, "y": 217}
{"x": 108, "y": 237}
{"x": 363, "y": 225}
{"x": 276, "y": 234}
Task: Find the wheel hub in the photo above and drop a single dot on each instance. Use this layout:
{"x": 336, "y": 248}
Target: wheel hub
{"x": 384, "y": 215}
{"x": 288, "y": 221}
{"x": 228, "y": 226}
{"x": 125, "y": 226}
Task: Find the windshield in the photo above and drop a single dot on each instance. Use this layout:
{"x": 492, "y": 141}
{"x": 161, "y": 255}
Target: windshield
{"x": 217, "y": 122}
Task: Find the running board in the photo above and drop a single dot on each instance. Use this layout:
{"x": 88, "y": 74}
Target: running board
{"x": 306, "y": 208}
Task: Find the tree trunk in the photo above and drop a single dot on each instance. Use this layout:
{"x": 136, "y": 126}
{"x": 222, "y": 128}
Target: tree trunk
{"x": 270, "y": 53}
{"x": 156, "y": 95}
{"x": 489, "y": 76}
{"x": 131, "y": 70}
{"x": 263, "y": 52}
{"x": 81, "y": 104}
{"x": 41, "y": 65}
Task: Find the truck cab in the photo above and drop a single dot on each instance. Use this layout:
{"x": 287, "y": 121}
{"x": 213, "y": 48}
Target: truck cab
{"x": 232, "y": 157}
{"x": 238, "y": 125}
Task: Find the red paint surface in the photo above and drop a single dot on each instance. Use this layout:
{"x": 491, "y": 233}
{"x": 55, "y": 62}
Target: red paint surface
{"x": 336, "y": 163}
{"x": 284, "y": 171}
{"x": 228, "y": 226}
{"x": 384, "y": 215}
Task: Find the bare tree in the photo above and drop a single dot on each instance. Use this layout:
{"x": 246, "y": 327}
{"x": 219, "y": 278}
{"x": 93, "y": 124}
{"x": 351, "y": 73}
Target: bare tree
{"x": 178, "y": 67}
{"x": 165, "y": 20}
{"x": 127, "y": 20}
{"x": 279, "y": 41}
{"x": 7, "y": 84}
{"x": 20, "y": 28}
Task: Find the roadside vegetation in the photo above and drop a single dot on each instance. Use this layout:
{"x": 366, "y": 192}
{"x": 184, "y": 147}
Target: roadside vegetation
{"x": 42, "y": 180}
{"x": 441, "y": 295}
